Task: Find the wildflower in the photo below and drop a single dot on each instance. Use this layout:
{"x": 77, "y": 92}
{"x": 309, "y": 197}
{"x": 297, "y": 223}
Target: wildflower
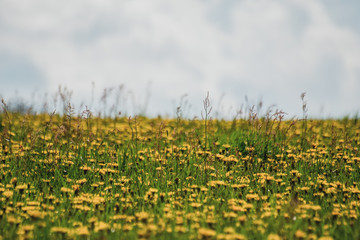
{"x": 21, "y": 188}
{"x": 96, "y": 200}
{"x": 217, "y": 183}
{"x": 13, "y": 181}
{"x": 85, "y": 169}
{"x": 251, "y": 197}
{"x": 196, "y": 205}
{"x": 180, "y": 229}
{"x": 238, "y": 209}
{"x": 8, "y": 194}
{"x": 33, "y": 203}
{"x": 36, "y": 214}
{"x": 219, "y": 156}
{"x": 127, "y": 227}
{"x": 81, "y": 231}
{"x": 230, "y": 215}
{"x": 325, "y": 238}
{"x": 101, "y": 226}
{"x": 300, "y": 234}
{"x": 205, "y": 233}
{"x": 66, "y": 190}
{"x": 81, "y": 181}
{"x": 242, "y": 218}
{"x": 312, "y": 236}
{"x": 226, "y": 146}
{"x": 229, "y": 230}
{"x": 316, "y": 207}
{"x": 230, "y": 160}
{"x": 142, "y": 216}
{"x": 60, "y": 230}
{"x": 239, "y": 186}
{"x": 273, "y": 236}
{"x": 25, "y": 229}
{"x": 237, "y": 236}
{"x": 153, "y": 190}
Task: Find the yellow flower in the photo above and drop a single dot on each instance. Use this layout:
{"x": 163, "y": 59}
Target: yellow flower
{"x": 273, "y": 236}
{"x": 25, "y": 229}
{"x": 8, "y": 194}
{"x": 196, "y": 205}
{"x": 300, "y": 234}
{"x": 180, "y": 229}
{"x": 206, "y": 233}
{"x": 13, "y": 180}
{"x": 21, "y": 187}
{"x": 226, "y": 146}
{"x": 142, "y": 216}
{"x": 66, "y": 190}
{"x": 242, "y": 218}
{"x": 229, "y": 230}
{"x": 237, "y": 236}
{"x": 36, "y": 214}
{"x": 101, "y": 226}
{"x": 60, "y": 230}
{"x": 81, "y": 231}
{"x": 325, "y": 238}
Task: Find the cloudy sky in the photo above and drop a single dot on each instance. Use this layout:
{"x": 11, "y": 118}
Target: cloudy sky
{"x": 269, "y": 51}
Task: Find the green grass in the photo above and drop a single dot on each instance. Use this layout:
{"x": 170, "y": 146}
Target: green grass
{"x": 140, "y": 178}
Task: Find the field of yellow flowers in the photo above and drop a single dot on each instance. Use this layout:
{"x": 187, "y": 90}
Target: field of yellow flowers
{"x": 82, "y": 177}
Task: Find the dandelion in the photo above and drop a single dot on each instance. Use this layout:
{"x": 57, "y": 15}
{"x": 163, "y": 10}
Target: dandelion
{"x": 13, "y": 181}
{"x": 60, "y": 230}
{"x": 181, "y": 229}
{"x": 325, "y": 238}
{"x": 21, "y": 188}
{"x": 142, "y": 216}
{"x": 25, "y": 229}
{"x": 82, "y": 231}
{"x": 101, "y": 226}
{"x": 36, "y": 214}
{"x": 205, "y": 233}
{"x": 273, "y": 236}
{"x": 8, "y": 194}
{"x": 300, "y": 234}
{"x": 66, "y": 190}
{"x": 196, "y": 205}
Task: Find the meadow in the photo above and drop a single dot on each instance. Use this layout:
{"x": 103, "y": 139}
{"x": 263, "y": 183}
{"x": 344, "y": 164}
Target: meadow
{"x": 258, "y": 177}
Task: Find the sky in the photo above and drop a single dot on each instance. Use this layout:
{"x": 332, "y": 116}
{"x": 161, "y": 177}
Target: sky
{"x": 157, "y": 55}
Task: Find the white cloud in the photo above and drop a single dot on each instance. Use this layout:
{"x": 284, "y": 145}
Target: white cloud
{"x": 269, "y": 50}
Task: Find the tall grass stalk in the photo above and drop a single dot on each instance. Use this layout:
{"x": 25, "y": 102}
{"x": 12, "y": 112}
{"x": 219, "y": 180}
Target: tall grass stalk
{"x": 7, "y": 133}
{"x": 304, "y": 122}
{"x": 206, "y": 118}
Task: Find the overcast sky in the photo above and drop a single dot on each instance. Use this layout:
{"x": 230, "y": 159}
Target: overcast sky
{"x": 269, "y": 51}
